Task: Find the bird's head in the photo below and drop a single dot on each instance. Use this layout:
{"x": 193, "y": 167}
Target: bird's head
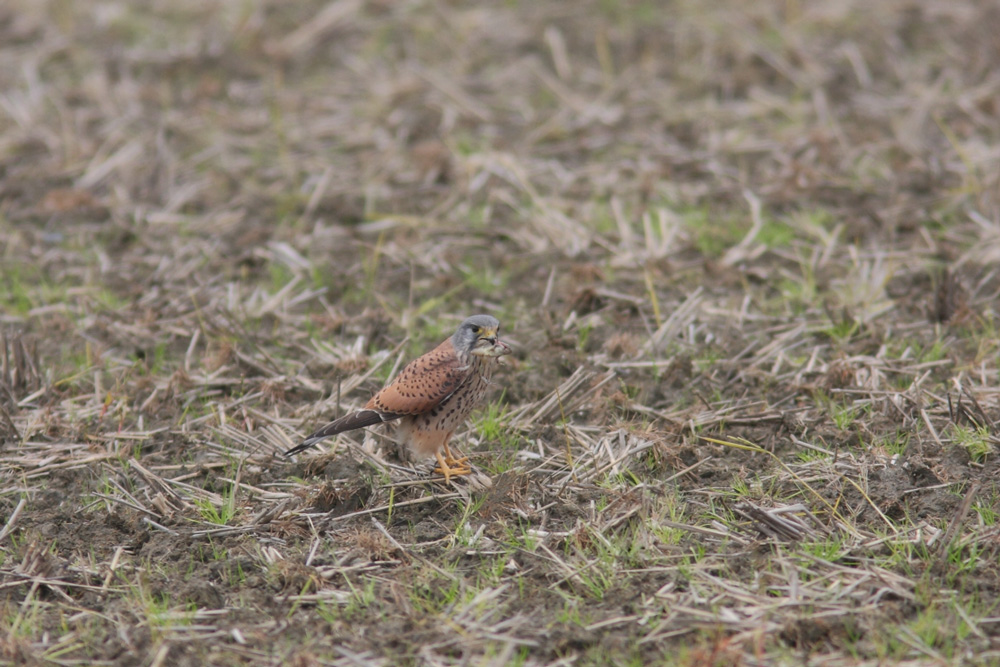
{"x": 479, "y": 336}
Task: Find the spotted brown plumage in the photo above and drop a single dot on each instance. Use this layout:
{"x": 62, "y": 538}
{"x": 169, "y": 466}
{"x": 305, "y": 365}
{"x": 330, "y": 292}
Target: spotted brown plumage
{"x": 433, "y": 394}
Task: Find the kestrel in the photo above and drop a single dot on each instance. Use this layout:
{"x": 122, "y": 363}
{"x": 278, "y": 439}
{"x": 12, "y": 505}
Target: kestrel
{"x": 432, "y": 395}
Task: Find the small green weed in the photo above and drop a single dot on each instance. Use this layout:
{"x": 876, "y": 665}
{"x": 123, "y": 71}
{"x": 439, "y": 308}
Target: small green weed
{"x": 895, "y": 443}
{"x": 976, "y": 441}
{"x": 843, "y": 416}
{"x": 218, "y": 515}
{"x": 829, "y": 549}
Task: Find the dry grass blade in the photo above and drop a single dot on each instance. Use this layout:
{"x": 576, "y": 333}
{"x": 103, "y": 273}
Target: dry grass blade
{"x": 18, "y": 366}
{"x": 778, "y": 523}
{"x": 310, "y": 32}
{"x": 564, "y": 399}
{"x": 12, "y": 519}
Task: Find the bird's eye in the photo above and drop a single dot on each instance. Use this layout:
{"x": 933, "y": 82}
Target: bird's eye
{"x": 476, "y": 330}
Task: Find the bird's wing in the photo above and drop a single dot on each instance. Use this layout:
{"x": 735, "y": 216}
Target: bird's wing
{"x": 424, "y": 383}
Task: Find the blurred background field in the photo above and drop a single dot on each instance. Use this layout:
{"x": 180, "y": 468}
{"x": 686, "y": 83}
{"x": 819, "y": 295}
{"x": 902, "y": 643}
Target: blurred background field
{"x": 747, "y": 255}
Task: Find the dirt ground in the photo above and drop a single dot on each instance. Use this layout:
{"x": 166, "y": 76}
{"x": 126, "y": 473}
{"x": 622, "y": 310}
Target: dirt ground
{"x": 747, "y": 255}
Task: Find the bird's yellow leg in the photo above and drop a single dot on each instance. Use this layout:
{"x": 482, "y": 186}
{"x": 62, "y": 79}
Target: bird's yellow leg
{"x": 450, "y": 458}
{"x": 448, "y": 470}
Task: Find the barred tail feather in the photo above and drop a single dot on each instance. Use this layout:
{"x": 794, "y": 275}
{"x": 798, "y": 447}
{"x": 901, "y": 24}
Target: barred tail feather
{"x": 355, "y": 420}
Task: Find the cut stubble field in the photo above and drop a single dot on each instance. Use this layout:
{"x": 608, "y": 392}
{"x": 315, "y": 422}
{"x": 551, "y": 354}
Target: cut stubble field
{"x": 748, "y": 259}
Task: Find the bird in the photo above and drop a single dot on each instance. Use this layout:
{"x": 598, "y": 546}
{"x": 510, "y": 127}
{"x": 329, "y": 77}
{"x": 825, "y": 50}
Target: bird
{"x": 432, "y": 395}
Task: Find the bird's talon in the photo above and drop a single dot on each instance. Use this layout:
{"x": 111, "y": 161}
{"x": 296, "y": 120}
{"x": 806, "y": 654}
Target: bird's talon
{"x": 452, "y": 472}
{"x": 449, "y": 470}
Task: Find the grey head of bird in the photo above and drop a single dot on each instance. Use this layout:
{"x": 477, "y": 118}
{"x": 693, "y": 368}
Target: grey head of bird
{"x": 479, "y": 336}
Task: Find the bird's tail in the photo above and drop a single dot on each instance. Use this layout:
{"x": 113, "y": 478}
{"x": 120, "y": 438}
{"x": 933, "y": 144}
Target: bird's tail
{"x": 355, "y": 420}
